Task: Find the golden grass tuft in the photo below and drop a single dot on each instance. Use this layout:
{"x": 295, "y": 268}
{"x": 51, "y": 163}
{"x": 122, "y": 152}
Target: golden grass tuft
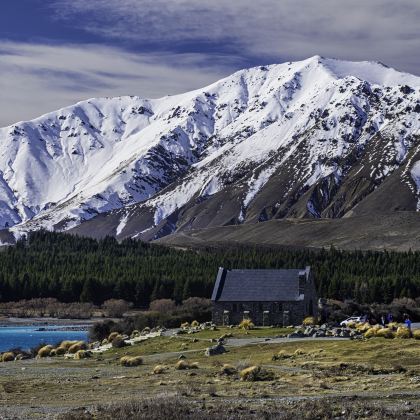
{"x": 45, "y": 351}
{"x": 416, "y": 334}
{"x": 363, "y": 327}
{"x": 309, "y": 320}
{"x": 371, "y": 332}
{"x": 256, "y": 373}
{"x": 250, "y": 374}
{"x": 185, "y": 325}
{"x": 8, "y": 357}
{"x": 393, "y": 325}
{"x": 135, "y": 333}
{"x": 385, "y": 333}
{"x": 247, "y": 324}
{"x": 66, "y": 344}
{"x": 299, "y": 352}
{"x": 195, "y": 324}
{"x": 228, "y": 370}
{"x": 60, "y": 351}
{"x": 159, "y": 369}
{"x": 79, "y": 345}
{"x": 403, "y": 332}
{"x": 82, "y": 354}
{"x": 183, "y": 365}
{"x": 131, "y": 361}
{"x": 112, "y": 336}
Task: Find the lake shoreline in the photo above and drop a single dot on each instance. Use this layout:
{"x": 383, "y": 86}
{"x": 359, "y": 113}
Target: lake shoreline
{"x": 46, "y": 321}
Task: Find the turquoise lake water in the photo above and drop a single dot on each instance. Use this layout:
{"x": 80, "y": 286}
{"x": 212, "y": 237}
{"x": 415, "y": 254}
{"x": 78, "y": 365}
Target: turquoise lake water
{"x": 30, "y": 336}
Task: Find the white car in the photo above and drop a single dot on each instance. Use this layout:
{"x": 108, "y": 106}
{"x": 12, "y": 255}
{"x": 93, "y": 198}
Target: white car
{"x": 352, "y": 319}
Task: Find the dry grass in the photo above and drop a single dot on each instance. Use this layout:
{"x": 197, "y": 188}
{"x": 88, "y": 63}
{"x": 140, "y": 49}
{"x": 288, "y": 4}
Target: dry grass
{"x": 82, "y": 354}
{"x": 60, "y": 351}
{"x": 228, "y": 369}
{"x": 416, "y": 334}
{"x": 403, "y": 332}
{"x": 250, "y": 374}
{"x": 8, "y": 357}
{"x": 195, "y": 324}
{"x": 66, "y": 344}
{"x": 131, "y": 361}
{"x": 184, "y": 365}
{"x": 247, "y": 324}
{"x": 112, "y": 336}
{"x": 309, "y": 320}
{"x": 45, "y": 351}
{"x": 159, "y": 369}
{"x": 385, "y": 333}
{"x": 79, "y": 345}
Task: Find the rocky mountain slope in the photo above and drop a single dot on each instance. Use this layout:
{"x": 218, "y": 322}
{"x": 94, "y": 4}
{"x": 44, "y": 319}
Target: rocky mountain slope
{"x": 319, "y": 138}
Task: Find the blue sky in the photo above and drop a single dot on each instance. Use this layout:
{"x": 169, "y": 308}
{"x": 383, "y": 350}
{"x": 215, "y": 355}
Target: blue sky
{"x": 56, "y": 52}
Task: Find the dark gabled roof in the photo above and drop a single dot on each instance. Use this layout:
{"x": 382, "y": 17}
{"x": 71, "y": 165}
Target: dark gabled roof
{"x": 257, "y": 285}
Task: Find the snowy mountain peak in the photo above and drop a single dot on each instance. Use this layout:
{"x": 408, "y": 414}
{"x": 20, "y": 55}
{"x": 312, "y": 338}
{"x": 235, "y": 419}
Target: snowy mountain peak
{"x": 281, "y": 140}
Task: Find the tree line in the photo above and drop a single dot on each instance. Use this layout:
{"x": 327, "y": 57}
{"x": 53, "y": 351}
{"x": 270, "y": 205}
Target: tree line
{"x": 75, "y": 269}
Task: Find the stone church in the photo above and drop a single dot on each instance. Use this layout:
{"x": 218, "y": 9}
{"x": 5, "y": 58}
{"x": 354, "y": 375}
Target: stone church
{"x": 267, "y": 297}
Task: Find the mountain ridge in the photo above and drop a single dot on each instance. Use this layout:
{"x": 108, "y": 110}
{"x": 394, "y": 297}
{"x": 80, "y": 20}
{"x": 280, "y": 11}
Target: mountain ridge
{"x": 311, "y": 139}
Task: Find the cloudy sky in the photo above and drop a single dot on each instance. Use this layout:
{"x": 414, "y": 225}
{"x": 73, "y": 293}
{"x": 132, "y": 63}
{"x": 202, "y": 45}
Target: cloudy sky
{"x": 57, "y": 52}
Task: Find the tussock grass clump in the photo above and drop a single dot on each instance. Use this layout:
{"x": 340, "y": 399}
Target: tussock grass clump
{"x": 371, "y": 332}
{"x": 8, "y": 356}
{"x": 131, "y": 361}
{"x": 195, "y": 324}
{"x": 363, "y": 327}
{"x": 228, "y": 370}
{"x": 393, "y": 325}
{"x": 282, "y": 355}
{"x": 256, "y": 373}
{"x": 66, "y": 344}
{"x": 118, "y": 342}
{"x": 112, "y": 336}
{"x": 185, "y": 325}
{"x": 135, "y": 333}
{"x": 247, "y": 324}
{"x": 184, "y": 365}
{"x": 79, "y": 345}
{"x": 159, "y": 369}
{"x": 416, "y": 334}
{"x": 60, "y": 351}
{"x": 309, "y": 320}
{"x": 82, "y": 354}
{"x": 299, "y": 352}
{"x": 385, "y": 333}
{"x": 403, "y": 332}
{"x": 45, "y": 351}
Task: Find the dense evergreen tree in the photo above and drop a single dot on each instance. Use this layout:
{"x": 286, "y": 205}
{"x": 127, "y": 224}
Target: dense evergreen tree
{"x": 71, "y": 268}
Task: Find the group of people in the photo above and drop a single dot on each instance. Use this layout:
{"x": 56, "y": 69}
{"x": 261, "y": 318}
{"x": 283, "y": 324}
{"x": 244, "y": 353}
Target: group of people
{"x": 385, "y": 320}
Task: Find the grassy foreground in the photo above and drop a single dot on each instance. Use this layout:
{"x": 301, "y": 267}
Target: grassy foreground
{"x": 302, "y": 372}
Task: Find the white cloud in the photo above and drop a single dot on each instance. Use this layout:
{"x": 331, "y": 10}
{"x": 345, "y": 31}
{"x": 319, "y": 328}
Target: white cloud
{"x": 385, "y": 30}
{"x": 36, "y": 79}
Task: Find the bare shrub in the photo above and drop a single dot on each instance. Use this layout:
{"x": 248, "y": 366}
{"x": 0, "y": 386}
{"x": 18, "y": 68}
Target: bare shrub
{"x": 116, "y": 307}
{"x": 163, "y": 306}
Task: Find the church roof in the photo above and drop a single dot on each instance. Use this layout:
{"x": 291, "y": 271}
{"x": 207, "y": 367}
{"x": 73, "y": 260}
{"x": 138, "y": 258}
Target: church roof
{"x": 258, "y": 285}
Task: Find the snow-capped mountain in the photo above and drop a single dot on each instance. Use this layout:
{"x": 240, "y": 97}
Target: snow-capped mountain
{"x": 309, "y": 139}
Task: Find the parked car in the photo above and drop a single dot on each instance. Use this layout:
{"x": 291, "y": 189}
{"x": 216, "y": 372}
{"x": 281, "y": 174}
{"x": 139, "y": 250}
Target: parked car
{"x": 352, "y": 319}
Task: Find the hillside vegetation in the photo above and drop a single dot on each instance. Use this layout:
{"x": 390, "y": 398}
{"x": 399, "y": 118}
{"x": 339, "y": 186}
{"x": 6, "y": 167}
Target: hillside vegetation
{"x": 73, "y": 269}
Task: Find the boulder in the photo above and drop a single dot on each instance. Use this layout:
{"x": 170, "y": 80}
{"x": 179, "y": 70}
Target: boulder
{"x": 215, "y": 350}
